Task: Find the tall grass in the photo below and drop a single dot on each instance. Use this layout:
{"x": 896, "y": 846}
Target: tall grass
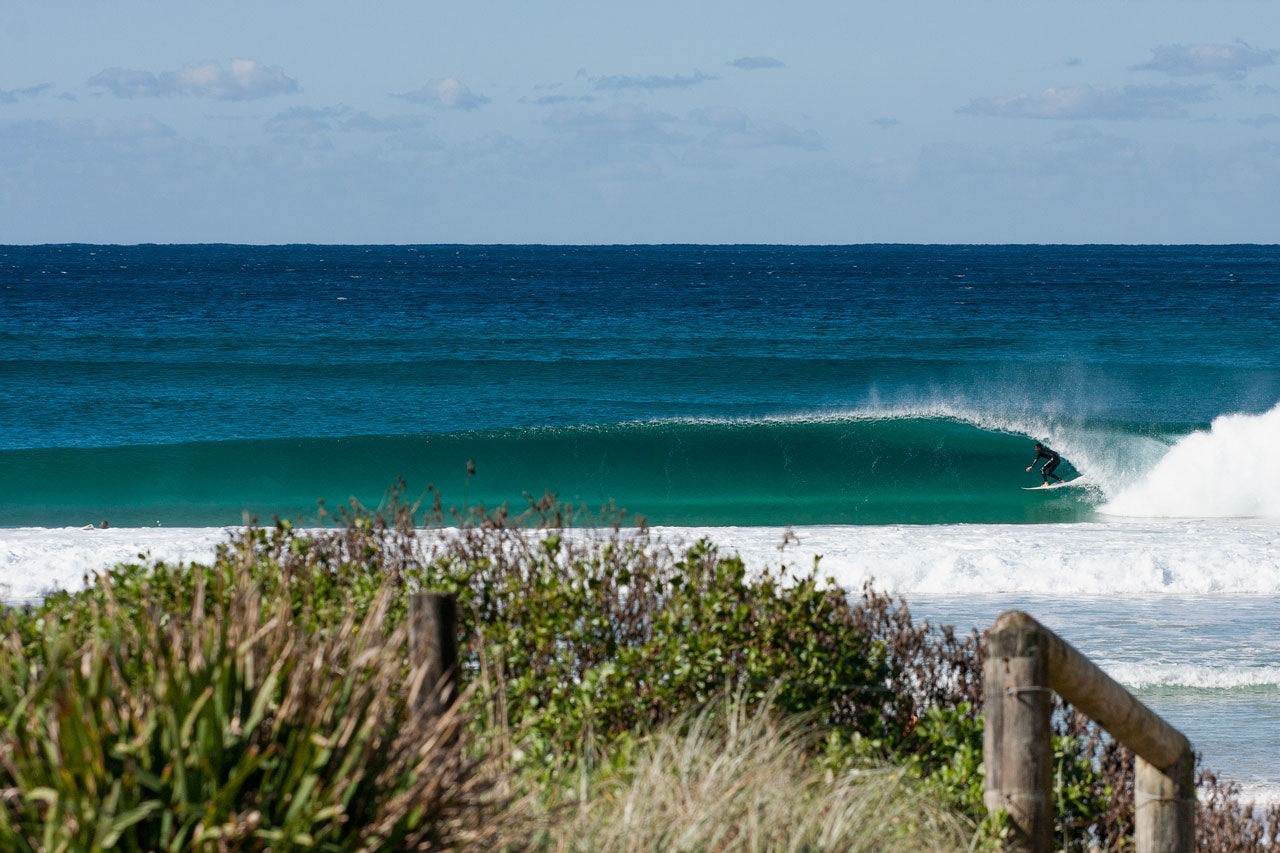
{"x": 737, "y": 778}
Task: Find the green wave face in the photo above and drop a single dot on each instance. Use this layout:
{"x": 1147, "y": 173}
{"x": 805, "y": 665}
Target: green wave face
{"x": 859, "y": 471}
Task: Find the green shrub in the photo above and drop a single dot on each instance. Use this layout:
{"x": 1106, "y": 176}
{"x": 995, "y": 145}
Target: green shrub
{"x": 609, "y": 640}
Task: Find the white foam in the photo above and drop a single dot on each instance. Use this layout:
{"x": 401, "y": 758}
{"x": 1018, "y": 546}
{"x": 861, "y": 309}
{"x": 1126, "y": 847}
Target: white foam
{"x": 1260, "y": 794}
{"x": 1225, "y": 677}
{"x": 1123, "y": 558}
{"x": 1232, "y": 470}
{"x": 36, "y": 560}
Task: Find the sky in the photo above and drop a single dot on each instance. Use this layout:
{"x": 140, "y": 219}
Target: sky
{"x": 668, "y": 122}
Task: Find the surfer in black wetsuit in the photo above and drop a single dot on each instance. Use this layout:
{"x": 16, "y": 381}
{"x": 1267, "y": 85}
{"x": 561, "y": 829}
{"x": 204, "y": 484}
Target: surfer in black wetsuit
{"x": 1043, "y": 452}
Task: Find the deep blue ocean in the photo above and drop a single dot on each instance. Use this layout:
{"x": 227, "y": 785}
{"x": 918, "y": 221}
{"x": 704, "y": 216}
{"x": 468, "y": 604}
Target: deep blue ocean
{"x": 881, "y": 402}
{"x": 692, "y": 384}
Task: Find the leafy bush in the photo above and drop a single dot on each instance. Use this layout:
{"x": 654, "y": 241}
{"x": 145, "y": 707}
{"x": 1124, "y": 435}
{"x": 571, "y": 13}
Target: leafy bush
{"x": 609, "y": 638}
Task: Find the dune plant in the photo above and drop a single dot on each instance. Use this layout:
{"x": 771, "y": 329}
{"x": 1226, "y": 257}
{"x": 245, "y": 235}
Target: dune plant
{"x": 739, "y": 776}
{"x": 229, "y": 725}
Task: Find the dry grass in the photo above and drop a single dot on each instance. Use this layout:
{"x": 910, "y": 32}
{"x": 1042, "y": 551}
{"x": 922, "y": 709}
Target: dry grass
{"x": 735, "y": 779}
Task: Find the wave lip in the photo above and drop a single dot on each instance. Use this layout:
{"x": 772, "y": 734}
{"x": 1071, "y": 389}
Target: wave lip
{"x": 1231, "y": 470}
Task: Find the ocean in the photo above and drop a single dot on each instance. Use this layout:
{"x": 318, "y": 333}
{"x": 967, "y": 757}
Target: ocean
{"x": 879, "y": 401}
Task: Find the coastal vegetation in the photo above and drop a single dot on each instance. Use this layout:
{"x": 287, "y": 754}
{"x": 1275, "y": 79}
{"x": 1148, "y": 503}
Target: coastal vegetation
{"x": 619, "y": 693}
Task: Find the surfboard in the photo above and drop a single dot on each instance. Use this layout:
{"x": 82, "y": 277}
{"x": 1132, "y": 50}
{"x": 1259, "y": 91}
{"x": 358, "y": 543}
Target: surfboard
{"x": 1078, "y": 481}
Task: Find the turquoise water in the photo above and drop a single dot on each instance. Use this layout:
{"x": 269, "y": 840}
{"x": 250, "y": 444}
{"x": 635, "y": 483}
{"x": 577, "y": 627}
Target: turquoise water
{"x": 695, "y": 385}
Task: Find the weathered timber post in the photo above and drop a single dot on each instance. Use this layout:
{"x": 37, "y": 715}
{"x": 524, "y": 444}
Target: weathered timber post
{"x": 1165, "y": 806}
{"x": 1017, "y": 748}
{"x": 433, "y": 650}
{"x": 1164, "y": 788}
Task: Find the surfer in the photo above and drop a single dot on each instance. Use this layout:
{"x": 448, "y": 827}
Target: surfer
{"x": 1043, "y": 452}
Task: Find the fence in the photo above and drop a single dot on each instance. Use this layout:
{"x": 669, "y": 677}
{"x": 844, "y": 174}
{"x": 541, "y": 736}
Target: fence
{"x": 1024, "y": 662}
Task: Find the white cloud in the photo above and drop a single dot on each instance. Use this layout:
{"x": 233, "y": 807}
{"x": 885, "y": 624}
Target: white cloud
{"x": 12, "y": 96}
{"x": 446, "y": 93}
{"x": 1228, "y": 61}
{"x": 244, "y": 80}
{"x": 1078, "y": 103}
{"x": 755, "y": 63}
{"x": 617, "y": 82}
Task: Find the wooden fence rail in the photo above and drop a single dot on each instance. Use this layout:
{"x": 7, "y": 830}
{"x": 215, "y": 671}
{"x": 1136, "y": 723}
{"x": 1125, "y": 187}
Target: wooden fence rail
{"x": 1024, "y": 662}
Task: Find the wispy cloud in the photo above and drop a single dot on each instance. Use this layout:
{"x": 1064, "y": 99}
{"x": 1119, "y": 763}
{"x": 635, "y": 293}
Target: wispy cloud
{"x": 303, "y": 120}
{"x": 1264, "y": 120}
{"x": 12, "y": 96}
{"x": 618, "y": 82}
{"x": 547, "y": 100}
{"x": 448, "y": 93}
{"x": 625, "y": 123}
{"x": 755, "y": 63}
{"x": 90, "y": 137}
{"x": 1078, "y": 103}
{"x": 732, "y": 128}
{"x": 363, "y": 122}
{"x": 244, "y": 80}
{"x": 310, "y": 120}
{"x": 1228, "y": 61}
{"x": 885, "y": 122}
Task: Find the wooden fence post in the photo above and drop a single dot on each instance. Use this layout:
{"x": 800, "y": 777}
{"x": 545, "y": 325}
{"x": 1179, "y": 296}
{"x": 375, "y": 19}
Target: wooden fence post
{"x": 1017, "y": 749}
{"x": 1024, "y": 661}
{"x": 1164, "y": 803}
{"x": 433, "y": 650}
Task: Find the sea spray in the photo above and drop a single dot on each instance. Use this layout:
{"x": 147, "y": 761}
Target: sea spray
{"x": 1232, "y": 470}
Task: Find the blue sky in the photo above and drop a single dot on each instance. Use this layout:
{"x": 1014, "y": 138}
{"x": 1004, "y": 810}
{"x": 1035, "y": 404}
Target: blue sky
{"x": 560, "y": 122}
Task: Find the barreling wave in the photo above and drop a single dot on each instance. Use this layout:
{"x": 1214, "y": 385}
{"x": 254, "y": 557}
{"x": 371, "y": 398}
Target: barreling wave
{"x": 934, "y": 464}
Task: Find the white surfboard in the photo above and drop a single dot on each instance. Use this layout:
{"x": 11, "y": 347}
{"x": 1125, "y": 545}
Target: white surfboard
{"x": 1078, "y": 481}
